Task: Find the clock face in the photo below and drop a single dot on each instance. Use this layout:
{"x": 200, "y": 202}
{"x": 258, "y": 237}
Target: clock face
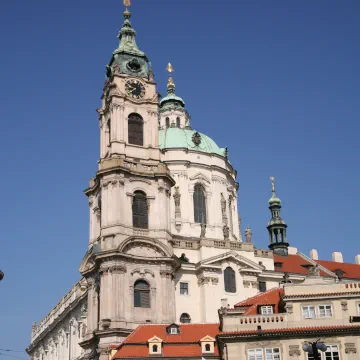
{"x": 135, "y": 89}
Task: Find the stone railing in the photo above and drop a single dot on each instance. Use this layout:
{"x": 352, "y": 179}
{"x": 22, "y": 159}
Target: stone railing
{"x": 233, "y": 321}
{"x": 263, "y": 253}
{"x": 75, "y": 292}
{"x": 262, "y": 319}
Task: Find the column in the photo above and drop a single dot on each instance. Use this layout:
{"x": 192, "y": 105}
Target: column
{"x": 164, "y": 274}
{"x": 92, "y": 317}
{"x": 118, "y": 292}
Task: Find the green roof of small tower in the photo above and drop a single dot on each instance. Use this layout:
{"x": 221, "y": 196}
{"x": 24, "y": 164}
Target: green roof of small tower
{"x": 128, "y": 58}
{"x": 277, "y": 226}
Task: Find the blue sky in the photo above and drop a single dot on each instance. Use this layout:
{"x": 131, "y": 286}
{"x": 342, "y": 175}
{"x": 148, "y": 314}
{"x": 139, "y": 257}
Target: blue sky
{"x": 275, "y": 81}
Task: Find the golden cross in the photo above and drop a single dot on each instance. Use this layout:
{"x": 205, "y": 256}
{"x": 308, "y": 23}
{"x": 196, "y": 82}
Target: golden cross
{"x": 169, "y": 68}
{"x": 272, "y": 183}
{"x": 127, "y": 2}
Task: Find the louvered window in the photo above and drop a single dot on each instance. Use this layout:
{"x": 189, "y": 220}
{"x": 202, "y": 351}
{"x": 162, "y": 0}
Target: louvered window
{"x": 229, "y": 279}
{"x": 140, "y": 210}
{"x": 178, "y": 122}
{"x": 167, "y": 121}
{"x": 185, "y": 318}
{"x": 141, "y": 294}
{"x": 199, "y": 205}
{"x": 136, "y": 129}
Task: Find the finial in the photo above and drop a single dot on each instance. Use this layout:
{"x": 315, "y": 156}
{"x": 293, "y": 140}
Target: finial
{"x": 272, "y": 183}
{"x": 127, "y": 13}
{"x": 171, "y": 84}
{"x": 169, "y": 68}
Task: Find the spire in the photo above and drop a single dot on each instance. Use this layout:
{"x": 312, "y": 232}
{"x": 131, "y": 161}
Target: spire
{"x": 276, "y": 226}
{"x": 128, "y": 58}
{"x": 170, "y": 84}
{"x": 171, "y": 98}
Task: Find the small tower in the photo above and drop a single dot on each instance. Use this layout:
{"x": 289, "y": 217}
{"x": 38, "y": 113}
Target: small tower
{"x": 172, "y": 107}
{"x": 277, "y": 226}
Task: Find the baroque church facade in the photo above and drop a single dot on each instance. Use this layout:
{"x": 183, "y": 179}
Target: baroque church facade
{"x": 165, "y": 243}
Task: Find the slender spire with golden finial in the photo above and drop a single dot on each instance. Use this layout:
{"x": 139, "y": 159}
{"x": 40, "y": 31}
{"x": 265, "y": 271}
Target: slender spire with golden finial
{"x": 127, "y": 13}
{"x": 170, "y": 84}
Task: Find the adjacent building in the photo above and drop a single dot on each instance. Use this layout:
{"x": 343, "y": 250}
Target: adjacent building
{"x": 278, "y": 323}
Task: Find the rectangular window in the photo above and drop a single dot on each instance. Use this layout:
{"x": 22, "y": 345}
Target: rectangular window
{"x": 325, "y": 311}
{"x": 358, "y": 309}
{"x": 262, "y": 286}
{"x": 184, "y": 288}
{"x": 266, "y": 310}
{"x": 272, "y": 354}
{"x": 308, "y": 312}
{"x": 332, "y": 353}
{"x": 255, "y": 354}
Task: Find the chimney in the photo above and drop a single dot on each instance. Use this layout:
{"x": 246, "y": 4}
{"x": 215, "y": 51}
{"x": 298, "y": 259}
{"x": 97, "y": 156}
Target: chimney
{"x": 314, "y": 254}
{"x": 337, "y": 257}
{"x": 292, "y": 250}
{"x": 357, "y": 259}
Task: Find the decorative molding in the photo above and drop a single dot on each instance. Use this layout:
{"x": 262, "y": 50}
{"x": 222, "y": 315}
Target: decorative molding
{"x": 294, "y": 350}
{"x": 142, "y": 272}
{"x": 350, "y": 348}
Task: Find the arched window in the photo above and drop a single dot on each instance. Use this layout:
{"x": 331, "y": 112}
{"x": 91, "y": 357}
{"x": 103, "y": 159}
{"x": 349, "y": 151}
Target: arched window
{"x": 136, "y": 129}
{"x": 199, "y": 205}
{"x": 140, "y": 210}
{"x": 229, "y": 280}
{"x": 185, "y": 318}
{"x": 207, "y": 347}
{"x": 141, "y": 294}
{"x": 155, "y": 348}
{"x": 178, "y": 122}
{"x": 167, "y": 122}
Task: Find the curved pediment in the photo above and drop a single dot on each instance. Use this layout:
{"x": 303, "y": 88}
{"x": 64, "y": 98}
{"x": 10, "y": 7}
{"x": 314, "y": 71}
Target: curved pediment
{"x": 150, "y": 248}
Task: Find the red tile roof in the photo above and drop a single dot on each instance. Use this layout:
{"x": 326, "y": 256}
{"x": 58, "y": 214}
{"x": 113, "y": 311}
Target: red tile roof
{"x": 296, "y": 264}
{"x": 351, "y": 271}
{"x": 185, "y": 344}
{"x": 289, "y": 331}
{"x": 270, "y": 297}
{"x": 291, "y": 264}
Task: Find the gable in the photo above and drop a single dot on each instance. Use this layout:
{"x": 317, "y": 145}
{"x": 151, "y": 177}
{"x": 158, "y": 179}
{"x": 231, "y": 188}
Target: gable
{"x": 245, "y": 263}
{"x": 155, "y": 339}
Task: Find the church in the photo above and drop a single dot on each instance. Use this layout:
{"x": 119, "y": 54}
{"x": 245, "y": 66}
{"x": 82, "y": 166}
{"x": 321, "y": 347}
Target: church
{"x": 165, "y": 243}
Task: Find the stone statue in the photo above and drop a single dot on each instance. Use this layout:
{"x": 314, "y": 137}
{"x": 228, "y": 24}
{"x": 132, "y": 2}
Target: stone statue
{"x": 183, "y": 259}
{"x": 223, "y": 209}
{"x": 203, "y": 230}
{"x": 248, "y": 234}
{"x": 314, "y": 270}
{"x": 177, "y": 197}
{"x": 226, "y": 232}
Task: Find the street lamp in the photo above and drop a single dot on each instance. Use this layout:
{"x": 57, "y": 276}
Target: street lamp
{"x": 313, "y": 348}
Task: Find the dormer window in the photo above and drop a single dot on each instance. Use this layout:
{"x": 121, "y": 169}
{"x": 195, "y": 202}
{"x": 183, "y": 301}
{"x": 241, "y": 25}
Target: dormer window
{"x": 207, "y": 345}
{"x": 266, "y": 310}
{"x": 155, "y": 344}
{"x": 173, "y": 329}
{"x": 278, "y": 265}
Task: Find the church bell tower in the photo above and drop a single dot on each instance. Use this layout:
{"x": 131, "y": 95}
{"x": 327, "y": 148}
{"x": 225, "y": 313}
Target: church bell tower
{"x": 129, "y": 265}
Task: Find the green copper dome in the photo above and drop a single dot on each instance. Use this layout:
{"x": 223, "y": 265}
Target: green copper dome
{"x": 188, "y": 139}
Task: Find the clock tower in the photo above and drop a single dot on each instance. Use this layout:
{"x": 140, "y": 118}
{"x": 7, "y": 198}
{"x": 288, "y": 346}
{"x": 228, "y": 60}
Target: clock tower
{"x": 130, "y": 264}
